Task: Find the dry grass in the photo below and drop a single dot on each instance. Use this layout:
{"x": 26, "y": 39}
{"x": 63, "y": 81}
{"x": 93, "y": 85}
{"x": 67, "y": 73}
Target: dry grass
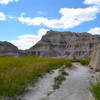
{"x": 17, "y": 73}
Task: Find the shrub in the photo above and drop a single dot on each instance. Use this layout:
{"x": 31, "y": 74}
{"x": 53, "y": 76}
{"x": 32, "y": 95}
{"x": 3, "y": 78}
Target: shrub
{"x": 85, "y": 61}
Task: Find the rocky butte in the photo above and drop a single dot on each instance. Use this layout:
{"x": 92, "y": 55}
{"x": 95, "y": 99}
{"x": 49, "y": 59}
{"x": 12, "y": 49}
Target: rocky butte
{"x": 57, "y": 45}
{"x": 65, "y": 45}
{"x": 7, "y": 48}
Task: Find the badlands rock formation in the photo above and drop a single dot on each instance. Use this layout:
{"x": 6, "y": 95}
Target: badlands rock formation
{"x": 56, "y": 44}
{"x": 95, "y": 60}
{"x": 7, "y": 48}
{"x": 65, "y": 45}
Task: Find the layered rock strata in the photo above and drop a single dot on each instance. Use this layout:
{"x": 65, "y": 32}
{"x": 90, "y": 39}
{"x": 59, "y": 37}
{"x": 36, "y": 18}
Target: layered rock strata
{"x": 65, "y": 45}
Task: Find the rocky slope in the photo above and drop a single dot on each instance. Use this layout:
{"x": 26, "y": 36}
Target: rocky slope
{"x": 57, "y": 44}
{"x": 7, "y": 48}
{"x": 95, "y": 59}
{"x": 65, "y": 45}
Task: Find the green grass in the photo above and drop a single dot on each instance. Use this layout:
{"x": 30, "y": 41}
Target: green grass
{"x": 97, "y": 70}
{"x": 68, "y": 63}
{"x": 63, "y": 72}
{"x": 96, "y": 91}
{"x": 17, "y": 73}
{"x": 60, "y": 78}
{"x": 58, "y": 81}
{"x": 84, "y": 61}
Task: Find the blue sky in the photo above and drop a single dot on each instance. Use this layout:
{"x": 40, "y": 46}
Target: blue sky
{"x": 23, "y": 22}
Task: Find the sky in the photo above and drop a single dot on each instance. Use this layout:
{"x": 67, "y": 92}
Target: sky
{"x": 24, "y": 22}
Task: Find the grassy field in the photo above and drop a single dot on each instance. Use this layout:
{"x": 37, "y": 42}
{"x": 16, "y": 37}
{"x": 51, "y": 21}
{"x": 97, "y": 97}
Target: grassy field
{"x": 17, "y": 73}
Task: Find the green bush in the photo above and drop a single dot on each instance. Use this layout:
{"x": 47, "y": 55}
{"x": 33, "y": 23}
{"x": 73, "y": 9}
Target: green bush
{"x": 85, "y": 61}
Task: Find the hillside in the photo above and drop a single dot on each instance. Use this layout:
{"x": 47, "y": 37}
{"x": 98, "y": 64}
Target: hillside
{"x": 65, "y": 45}
{"x": 7, "y": 48}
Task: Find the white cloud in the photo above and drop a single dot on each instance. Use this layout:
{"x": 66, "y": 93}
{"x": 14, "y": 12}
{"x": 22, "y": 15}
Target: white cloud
{"x": 41, "y": 12}
{"x": 28, "y": 40}
{"x": 95, "y": 31}
{"x": 92, "y": 2}
{"x": 32, "y": 21}
{"x": 2, "y": 16}
{"x": 70, "y": 17}
{"x": 7, "y": 1}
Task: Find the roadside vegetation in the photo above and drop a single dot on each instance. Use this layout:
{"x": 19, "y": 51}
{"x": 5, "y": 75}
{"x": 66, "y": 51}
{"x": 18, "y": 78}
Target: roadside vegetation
{"x": 95, "y": 87}
{"x": 60, "y": 78}
{"x": 17, "y": 73}
{"x": 84, "y": 61}
{"x": 96, "y": 91}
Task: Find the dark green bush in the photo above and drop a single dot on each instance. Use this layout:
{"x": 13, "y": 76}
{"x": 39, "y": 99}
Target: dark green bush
{"x": 85, "y": 61}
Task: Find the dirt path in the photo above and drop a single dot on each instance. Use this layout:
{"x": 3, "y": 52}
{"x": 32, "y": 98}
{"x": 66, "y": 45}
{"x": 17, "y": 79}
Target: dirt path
{"x": 75, "y": 87}
{"x": 42, "y": 88}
